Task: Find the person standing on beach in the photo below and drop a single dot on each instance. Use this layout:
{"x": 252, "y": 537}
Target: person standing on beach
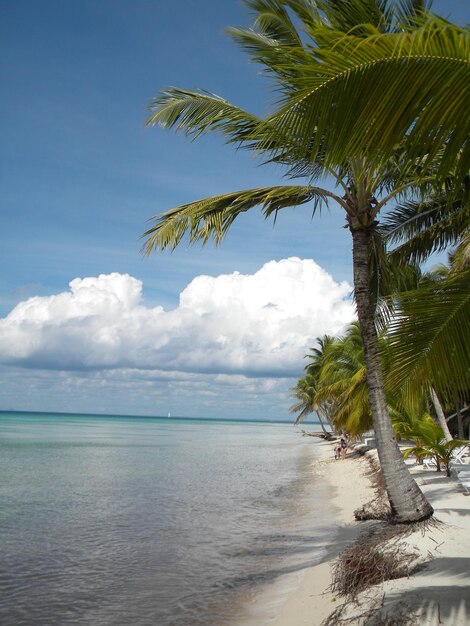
{"x": 344, "y": 447}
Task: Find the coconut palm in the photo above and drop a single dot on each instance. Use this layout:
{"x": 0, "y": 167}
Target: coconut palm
{"x": 342, "y": 383}
{"x": 315, "y": 71}
{"x": 306, "y": 389}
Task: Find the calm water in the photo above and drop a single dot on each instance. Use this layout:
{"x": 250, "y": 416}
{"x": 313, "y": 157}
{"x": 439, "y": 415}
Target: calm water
{"x": 150, "y": 522}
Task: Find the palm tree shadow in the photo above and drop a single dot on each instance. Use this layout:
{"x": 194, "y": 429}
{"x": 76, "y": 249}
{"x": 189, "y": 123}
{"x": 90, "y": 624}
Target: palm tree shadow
{"x": 455, "y": 567}
{"x": 448, "y": 604}
{"x": 451, "y": 603}
{"x": 315, "y": 549}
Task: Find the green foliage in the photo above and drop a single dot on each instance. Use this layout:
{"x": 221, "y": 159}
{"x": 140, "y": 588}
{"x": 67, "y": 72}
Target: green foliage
{"x": 335, "y": 384}
{"x": 339, "y": 71}
{"x": 423, "y": 227}
{"x": 351, "y": 96}
{"x": 430, "y": 442}
{"x": 327, "y": 59}
{"x": 429, "y": 337}
{"x": 307, "y": 387}
{"x": 213, "y": 217}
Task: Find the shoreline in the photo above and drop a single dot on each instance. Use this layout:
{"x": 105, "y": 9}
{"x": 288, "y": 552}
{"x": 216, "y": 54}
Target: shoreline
{"x": 312, "y": 602}
{"x": 437, "y": 594}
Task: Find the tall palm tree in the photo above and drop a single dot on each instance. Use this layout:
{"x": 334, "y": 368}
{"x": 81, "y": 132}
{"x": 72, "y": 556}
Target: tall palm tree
{"x": 316, "y": 72}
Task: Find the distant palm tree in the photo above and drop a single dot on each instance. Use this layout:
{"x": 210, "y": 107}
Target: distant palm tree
{"x": 307, "y": 388}
{"x": 305, "y": 392}
{"x": 319, "y": 74}
{"x": 343, "y": 382}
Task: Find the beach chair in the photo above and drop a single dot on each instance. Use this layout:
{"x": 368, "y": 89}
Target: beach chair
{"x": 460, "y": 455}
{"x": 430, "y": 462}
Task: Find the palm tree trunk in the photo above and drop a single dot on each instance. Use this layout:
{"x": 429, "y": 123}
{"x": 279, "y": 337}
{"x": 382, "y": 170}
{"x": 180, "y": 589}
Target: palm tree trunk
{"x": 407, "y": 501}
{"x": 321, "y": 423}
{"x": 458, "y": 413}
{"x": 441, "y": 418}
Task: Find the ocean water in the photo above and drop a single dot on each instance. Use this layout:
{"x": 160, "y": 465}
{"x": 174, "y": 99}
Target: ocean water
{"x": 111, "y": 521}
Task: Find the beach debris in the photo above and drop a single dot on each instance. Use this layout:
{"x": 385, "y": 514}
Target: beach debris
{"x": 372, "y": 559}
{"x": 378, "y": 508}
{"x": 321, "y": 435}
{"x": 369, "y": 613}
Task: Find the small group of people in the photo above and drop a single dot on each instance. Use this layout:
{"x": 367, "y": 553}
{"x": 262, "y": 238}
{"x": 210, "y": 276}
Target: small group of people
{"x": 341, "y": 448}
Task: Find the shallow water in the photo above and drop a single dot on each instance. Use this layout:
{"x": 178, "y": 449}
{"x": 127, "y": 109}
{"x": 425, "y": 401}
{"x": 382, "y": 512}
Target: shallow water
{"x": 118, "y": 521}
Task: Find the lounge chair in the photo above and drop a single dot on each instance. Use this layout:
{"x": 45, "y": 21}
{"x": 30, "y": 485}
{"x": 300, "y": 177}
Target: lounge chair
{"x": 430, "y": 462}
{"x": 460, "y": 454}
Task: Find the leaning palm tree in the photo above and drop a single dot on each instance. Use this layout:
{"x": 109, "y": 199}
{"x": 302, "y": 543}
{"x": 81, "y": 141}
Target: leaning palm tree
{"x": 315, "y": 71}
{"x": 307, "y": 388}
{"x": 305, "y": 393}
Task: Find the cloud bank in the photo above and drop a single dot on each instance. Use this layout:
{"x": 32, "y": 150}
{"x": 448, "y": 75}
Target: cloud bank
{"x": 256, "y": 325}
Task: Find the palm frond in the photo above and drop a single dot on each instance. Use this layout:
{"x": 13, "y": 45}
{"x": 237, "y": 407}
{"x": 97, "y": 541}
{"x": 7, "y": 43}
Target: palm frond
{"x": 355, "y": 101}
{"x": 212, "y": 217}
{"x": 422, "y": 227}
{"x": 460, "y": 257}
{"x": 409, "y": 13}
{"x": 272, "y": 18}
{"x": 281, "y": 59}
{"x": 197, "y": 112}
{"x": 358, "y": 15}
{"x": 429, "y": 337}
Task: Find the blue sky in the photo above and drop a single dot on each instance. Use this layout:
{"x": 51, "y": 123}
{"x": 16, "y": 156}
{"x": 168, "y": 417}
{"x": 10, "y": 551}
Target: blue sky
{"x": 81, "y": 175}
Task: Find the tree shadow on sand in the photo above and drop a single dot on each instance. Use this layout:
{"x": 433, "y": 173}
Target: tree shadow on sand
{"x": 446, "y": 604}
{"x": 316, "y": 549}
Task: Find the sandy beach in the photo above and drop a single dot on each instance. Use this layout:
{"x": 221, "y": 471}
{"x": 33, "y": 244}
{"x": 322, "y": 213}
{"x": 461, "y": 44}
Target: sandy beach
{"x": 438, "y": 593}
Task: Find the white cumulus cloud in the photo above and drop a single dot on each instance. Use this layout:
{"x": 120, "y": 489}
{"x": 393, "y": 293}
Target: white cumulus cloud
{"x": 260, "y": 324}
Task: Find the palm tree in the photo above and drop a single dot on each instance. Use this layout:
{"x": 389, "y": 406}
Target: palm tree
{"x": 305, "y": 392}
{"x": 342, "y": 383}
{"x": 307, "y": 134}
{"x": 430, "y": 441}
{"x": 307, "y": 388}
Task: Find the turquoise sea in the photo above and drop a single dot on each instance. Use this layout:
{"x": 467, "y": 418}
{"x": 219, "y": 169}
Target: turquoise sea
{"x": 151, "y": 521}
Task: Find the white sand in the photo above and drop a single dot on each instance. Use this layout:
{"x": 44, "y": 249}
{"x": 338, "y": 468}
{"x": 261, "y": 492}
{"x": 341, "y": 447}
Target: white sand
{"x": 437, "y": 595}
